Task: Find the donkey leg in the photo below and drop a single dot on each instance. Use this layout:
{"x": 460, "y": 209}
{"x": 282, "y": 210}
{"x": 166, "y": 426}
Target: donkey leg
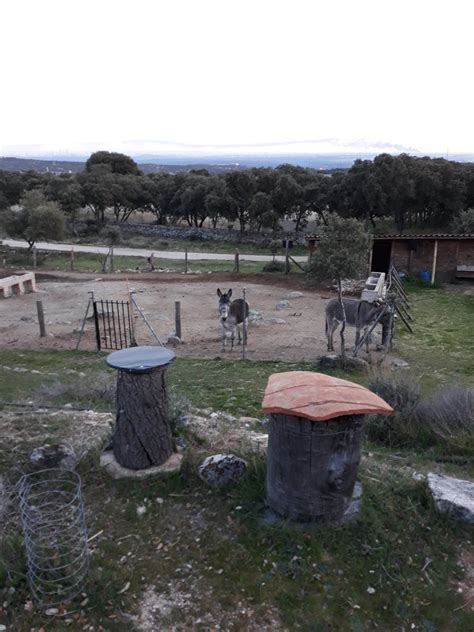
{"x": 224, "y": 338}
{"x": 239, "y": 335}
{"x": 332, "y": 329}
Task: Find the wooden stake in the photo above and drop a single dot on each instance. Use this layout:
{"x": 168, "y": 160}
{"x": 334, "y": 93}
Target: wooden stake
{"x": 72, "y": 259}
{"x": 287, "y": 262}
{"x": 244, "y": 326}
{"x": 237, "y": 261}
{"x": 39, "y": 309}
{"x": 177, "y": 318}
{"x": 185, "y": 261}
{"x": 34, "y": 256}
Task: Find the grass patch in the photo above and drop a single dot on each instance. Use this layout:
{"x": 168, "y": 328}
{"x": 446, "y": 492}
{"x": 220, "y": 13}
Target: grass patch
{"x": 441, "y": 350}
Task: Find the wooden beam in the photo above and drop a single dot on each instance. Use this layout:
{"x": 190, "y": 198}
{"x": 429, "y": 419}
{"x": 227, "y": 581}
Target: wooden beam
{"x": 435, "y": 258}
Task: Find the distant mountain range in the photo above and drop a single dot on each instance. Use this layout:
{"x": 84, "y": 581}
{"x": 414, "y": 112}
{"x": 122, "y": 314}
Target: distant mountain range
{"x": 213, "y": 163}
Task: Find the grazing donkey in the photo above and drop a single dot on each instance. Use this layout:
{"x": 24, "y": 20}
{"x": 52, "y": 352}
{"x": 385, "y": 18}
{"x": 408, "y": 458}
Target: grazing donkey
{"x": 232, "y": 316}
{"x": 359, "y": 314}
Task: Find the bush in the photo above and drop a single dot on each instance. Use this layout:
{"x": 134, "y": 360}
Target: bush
{"x": 274, "y": 266}
{"x": 398, "y": 429}
{"x": 448, "y": 414}
{"x": 445, "y": 420}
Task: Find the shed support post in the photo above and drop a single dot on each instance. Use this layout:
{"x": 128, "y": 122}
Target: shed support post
{"x": 435, "y": 257}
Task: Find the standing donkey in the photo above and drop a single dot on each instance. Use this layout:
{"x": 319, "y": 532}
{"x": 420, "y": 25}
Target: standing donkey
{"x": 232, "y": 315}
{"x": 359, "y": 314}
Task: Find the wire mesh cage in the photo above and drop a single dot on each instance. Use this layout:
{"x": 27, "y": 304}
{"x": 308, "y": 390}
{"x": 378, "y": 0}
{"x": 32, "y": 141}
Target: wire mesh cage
{"x": 55, "y": 534}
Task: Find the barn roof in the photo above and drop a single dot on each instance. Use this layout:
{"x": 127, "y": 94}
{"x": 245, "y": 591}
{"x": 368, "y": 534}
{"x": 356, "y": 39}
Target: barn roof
{"x": 410, "y": 236}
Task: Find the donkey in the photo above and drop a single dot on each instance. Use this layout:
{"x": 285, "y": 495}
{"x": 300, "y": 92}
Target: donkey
{"x": 359, "y": 314}
{"x": 232, "y": 316}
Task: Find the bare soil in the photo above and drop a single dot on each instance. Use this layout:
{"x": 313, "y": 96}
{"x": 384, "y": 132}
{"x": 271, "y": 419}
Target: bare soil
{"x": 301, "y": 335}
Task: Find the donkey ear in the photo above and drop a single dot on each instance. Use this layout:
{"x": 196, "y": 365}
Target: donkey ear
{"x": 229, "y": 293}
{"x": 219, "y": 293}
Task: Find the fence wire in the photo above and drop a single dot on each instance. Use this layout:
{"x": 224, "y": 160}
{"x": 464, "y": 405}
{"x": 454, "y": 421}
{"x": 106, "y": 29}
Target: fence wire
{"x": 55, "y": 535}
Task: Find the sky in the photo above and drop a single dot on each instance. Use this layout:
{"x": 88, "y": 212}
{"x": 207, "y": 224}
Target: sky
{"x": 213, "y": 76}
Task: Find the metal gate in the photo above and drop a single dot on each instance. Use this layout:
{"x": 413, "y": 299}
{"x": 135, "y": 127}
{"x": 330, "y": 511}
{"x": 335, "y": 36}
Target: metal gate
{"x": 113, "y": 324}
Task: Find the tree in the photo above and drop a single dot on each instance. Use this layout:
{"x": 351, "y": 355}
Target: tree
{"x": 340, "y": 253}
{"x": 96, "y": 190}
{"x": 36, "y": 219}
{"x": 118, "y": 163}
{"x": 464, "y": 222}
{"x": 241, "y": 187}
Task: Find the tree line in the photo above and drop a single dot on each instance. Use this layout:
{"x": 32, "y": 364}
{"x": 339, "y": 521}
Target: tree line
{"x": 406, "y": 191}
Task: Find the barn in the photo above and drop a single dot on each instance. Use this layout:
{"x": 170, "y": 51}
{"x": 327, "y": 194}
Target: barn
{"x": 437, "y": 257}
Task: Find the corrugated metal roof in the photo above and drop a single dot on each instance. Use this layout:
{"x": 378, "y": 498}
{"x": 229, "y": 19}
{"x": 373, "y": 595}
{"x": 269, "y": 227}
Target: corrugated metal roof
{"x": 424, "y": 236}
{"x": 413, "y": 236}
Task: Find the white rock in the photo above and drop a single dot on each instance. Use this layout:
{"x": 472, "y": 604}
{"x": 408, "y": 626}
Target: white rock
{"x": 282, "y": 305}
{"x": 398, "y": 363}
{"x": 278, "y": 321}
{"x": 293, "y": 295}
{"x": 453, "y": 496}
{"x": 221, "y": 469}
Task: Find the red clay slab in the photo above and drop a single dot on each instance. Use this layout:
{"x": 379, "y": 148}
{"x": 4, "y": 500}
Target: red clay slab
{"x": 319, "y": 397}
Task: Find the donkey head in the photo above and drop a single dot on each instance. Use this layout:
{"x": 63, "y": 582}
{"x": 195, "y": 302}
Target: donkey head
{"x": 224, "y": 304}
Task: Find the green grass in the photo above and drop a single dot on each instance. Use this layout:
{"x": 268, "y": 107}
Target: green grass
{"x": 89, "y": 262}
{"x": 308, "y": 579}
{"x": 216, "y": 548}
{"x": 442, "y": 348}
{"x": 215, "y": 246}
{"x": 231, "y": 385}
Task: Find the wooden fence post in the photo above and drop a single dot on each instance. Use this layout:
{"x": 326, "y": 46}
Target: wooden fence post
{"x": 287, "y": 261}
{"x": 72, "y": 259}
{"x": 34, "y": 256}
{"x": 39, "y": 309}
{"x": 185, "y": 261}
{"x": 177, "y": 318}
{"x": 237, "y": 261}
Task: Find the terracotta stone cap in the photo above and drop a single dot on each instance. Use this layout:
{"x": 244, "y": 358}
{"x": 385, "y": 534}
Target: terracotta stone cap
{"x": 319, "y": 397}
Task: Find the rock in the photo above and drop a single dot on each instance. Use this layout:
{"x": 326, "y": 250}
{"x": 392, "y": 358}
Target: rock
{"x": 221, "y": 469}
{"x": 59, "y": 455}
{"x": 282, "y": 305}
{"x": 174, "y": 341}
{"x": 249, "y": 420}
{"x": 255, "y": 316}
{"x": 277, "y": 321}
{"x": 115, "y": 470}
{"x": 398, "y": 363}
{"x": 293, "y": 295}
{"x": 453, "y": 496}
{"x": 51, "y": 612}
{"x": 334, "y": 361}
{"x": 27, "y": 319}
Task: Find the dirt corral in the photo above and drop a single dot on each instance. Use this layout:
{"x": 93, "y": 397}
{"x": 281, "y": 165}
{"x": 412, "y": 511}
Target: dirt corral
{"x": 294, "y": 332}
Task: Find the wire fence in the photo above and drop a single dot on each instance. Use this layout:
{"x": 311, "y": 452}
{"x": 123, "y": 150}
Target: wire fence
{"x": 55, "y": 535}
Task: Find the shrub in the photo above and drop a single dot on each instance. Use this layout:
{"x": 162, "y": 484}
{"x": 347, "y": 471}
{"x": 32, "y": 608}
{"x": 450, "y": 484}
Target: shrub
{"x": 448, "y": 414}
{"x": 445, "y": 419}
{"x": 398, "y": 429}
{"x": 274, "y": 266}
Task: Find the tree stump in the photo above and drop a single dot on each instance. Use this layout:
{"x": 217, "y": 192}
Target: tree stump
{"x": 312, "y": 466}
{"x": 142, "y": 436}
{"x": 314, "y": 443}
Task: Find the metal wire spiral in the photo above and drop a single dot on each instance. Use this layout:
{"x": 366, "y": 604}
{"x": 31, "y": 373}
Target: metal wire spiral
{"x": 55, "y": 535}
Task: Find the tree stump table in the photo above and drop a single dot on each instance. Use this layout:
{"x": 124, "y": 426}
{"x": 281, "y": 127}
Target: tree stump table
{"x": 142, "y": 437}
{"x": 314, "y": 443}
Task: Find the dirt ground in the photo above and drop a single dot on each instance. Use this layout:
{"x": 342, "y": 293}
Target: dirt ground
{"x": 291, "y": 334}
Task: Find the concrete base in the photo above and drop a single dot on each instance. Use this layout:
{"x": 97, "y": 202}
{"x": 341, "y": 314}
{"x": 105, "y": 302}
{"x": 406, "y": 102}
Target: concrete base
{"x": 115, "y": 470}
